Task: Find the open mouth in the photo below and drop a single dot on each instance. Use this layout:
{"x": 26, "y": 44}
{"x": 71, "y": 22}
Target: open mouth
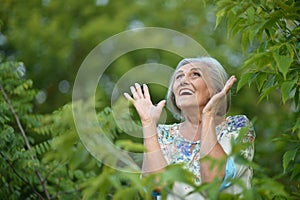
{"x": 185, "y": 92}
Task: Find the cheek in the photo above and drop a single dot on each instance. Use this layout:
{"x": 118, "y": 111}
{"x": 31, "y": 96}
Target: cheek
{"x": 175, "y": 89}
{"x": 175, "y": 93}
{"x": 207, "y": 95}
{"x": 207, "y": 87}
{"x": 204, "y": 93}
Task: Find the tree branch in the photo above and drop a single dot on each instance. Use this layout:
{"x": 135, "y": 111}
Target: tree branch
{"x": 7, "y": 100}
{"x": 19, "y": 176}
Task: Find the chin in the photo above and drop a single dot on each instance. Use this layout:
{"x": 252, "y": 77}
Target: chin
{"x": 187, "y": 104}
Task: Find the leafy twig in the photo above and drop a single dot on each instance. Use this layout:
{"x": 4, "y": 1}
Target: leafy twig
{"x": 41, "y": 179}
{"x": 19, "y": 176}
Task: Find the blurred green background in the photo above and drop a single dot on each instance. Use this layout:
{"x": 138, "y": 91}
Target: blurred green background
{"x": 53, "y": 37}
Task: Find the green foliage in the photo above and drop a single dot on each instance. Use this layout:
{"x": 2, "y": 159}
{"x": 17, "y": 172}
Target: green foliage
{"x": 270, "y": 30}
{"x": 55, "y": 151}
{"x": 270, "y": 34}
{"x": 52, "y": 38}
{"x": 20, "y": 170}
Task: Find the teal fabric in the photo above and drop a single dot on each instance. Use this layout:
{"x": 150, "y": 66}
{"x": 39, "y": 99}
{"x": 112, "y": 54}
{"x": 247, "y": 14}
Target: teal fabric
{"x": 230, "y": 172}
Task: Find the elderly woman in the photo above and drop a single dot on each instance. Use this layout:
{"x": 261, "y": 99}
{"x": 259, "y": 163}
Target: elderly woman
{"x": 199, "y": 95}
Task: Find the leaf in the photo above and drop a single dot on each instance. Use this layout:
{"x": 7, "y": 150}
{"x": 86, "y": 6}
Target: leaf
{"x": 225, "y": 7}
{"x": 269, "y": 188}
{"x": 254, "y": 58}
{"x": 127, "y": 193}
{"x": 266, "y": 92}
{"x": 176, "y": 173}
{"x": 286, "y": 89}
{"x": 288, "y": 157}
{"x": 295, "y": 171}
{"x": 297, "y": 96}
{"x": 283, "y": 63}
{"x": 129, "y": 145}
{"x": 219, "y": 17}
{"x": 291, "y": 49}
{"x": 297, "y": 127}
{"x": 250, "y": 14}
{"x": 244, "y": 79}
{"x": 260, "y": 80}
{"x": 245, "y": 40}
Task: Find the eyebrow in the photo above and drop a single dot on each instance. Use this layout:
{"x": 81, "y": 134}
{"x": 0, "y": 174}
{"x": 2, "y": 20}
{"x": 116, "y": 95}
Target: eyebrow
{"x": 194, "y": 68}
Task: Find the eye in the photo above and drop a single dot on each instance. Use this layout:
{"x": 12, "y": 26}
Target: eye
{"x": 196, "y": 74}
{"x": 178, "y": 76}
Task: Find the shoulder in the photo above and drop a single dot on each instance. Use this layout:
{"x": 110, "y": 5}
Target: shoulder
{"x": 166, "y": 132}
{"x": 237, "y": 121}
{"x": 237, "y": 125}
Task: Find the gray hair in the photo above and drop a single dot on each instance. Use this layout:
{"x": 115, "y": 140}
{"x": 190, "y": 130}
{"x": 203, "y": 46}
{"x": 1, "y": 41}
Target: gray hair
{"x": 213, "y": 74}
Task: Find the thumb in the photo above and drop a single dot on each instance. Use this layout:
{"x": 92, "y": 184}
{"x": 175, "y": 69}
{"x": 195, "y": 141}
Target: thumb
{"x": 161, "y": 104}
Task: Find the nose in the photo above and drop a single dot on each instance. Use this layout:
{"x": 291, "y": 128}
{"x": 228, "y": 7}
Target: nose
{"x": 184, "y": 81}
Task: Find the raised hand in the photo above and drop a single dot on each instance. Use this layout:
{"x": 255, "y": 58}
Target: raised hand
{"x": 212, "y": 106}
{"x": 149, "y": 113}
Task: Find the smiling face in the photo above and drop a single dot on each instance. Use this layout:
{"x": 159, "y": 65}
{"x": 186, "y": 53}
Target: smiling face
{"x": 189, "y": 88}
{"x": 212, "y": 75}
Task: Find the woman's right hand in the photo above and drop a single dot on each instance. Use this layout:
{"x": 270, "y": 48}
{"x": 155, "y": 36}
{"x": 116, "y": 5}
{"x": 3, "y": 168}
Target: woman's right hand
{"x": 212, "y": 106}
{"x": 149, "y": 113}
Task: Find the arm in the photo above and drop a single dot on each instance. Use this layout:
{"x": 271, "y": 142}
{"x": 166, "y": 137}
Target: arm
{"x": 149, "y": 115}
{"x": 153, "y": 159}
{"x": 210, "y": 146}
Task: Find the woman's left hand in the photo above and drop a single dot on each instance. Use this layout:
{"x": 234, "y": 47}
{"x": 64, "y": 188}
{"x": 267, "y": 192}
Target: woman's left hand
{"x": 212, "y": 106}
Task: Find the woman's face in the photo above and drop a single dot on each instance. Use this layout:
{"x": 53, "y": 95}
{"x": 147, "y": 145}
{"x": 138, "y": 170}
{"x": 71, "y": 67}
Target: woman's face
{"x": 189, "y": 88}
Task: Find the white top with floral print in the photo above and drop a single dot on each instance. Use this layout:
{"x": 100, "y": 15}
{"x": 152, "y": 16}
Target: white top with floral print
{"x": 177, "y": 149}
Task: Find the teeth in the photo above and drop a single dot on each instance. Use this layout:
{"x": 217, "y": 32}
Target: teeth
{"x": 185, "y": 92}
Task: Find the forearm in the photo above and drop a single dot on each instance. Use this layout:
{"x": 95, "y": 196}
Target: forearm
{"x": 153, "y": 158}
{"x": 212, "y": 150}
{"x": 210, "y": 172}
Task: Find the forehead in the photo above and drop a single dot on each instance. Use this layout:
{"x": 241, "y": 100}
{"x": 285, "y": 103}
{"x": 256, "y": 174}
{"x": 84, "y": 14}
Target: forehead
{"x": 190, "y": 66}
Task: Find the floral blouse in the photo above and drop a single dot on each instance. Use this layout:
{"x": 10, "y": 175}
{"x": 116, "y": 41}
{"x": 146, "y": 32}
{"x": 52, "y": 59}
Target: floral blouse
{"x": 177, "y": 149}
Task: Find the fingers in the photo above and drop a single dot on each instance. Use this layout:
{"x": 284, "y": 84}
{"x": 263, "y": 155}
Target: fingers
{"x": 161, "y": 104}
{"x": 216, "y": 98}
{"x": 232, "y": 80}
{"x": 137, "y": 92}
{"x": 226, "y": 88}
{"x": 128, "y": 97}
{"x": 229, "y": 83}
{"x": 146, "y": 91}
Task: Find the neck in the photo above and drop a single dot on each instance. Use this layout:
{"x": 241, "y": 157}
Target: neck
{"x": 193, "y": 114}
{"x": 191, "y": 127}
